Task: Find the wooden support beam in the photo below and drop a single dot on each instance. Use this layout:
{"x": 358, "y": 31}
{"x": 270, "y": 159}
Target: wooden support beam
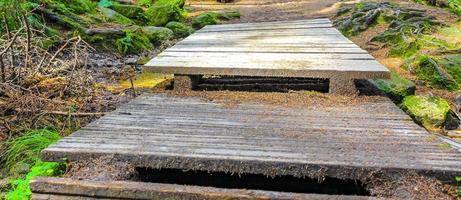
{"x": 340, "y": 85}
{"x": 186, "y": 82}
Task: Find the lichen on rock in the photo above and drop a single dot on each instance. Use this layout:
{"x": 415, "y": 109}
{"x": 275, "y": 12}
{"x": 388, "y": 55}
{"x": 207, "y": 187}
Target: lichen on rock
{"x": 180, "y": 30}
{"x": 396, "y": 87}
{"x": 429, "y": 111}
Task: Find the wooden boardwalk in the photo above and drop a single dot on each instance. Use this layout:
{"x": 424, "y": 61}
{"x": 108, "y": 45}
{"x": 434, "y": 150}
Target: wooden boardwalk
{"x": 340, "y": 141}
{"x": 303, "y": 48}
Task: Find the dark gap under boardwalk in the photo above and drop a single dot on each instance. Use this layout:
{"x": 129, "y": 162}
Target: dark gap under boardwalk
{"x": 345, "y": 141}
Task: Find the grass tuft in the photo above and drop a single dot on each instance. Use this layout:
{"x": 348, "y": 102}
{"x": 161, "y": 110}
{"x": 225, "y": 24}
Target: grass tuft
{"x": 24, "y": 151}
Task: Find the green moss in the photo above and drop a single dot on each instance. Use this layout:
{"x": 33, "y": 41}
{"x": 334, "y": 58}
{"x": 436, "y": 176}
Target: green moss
{"x": 130, "y": 11}
{"x": 146, "y": 80}
{"x": 158, "y": 35}
{"x": 206, "y": 18}
{"x": 396, "y": 88}
{"x": 455, "y": 6}
{"x": 71, "y": 6}
{"x": 211, "y": 18}
{"x": 145, "y": 3}
{"x": 161, "y": 13}
{"x": 133, "y": 42}
{"x": 180, "y": 30}
{"x": 21, "y": 188}
{"x": 430, "y": 70}
{"x": 24, "y": 150}
{"x": 179, "y": 3}
{"x": 113, "y": 16}
{"x": 431, "y": 112}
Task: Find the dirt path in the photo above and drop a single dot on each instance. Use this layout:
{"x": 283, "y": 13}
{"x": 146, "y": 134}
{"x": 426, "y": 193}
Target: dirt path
{"x": 270, "y": 10}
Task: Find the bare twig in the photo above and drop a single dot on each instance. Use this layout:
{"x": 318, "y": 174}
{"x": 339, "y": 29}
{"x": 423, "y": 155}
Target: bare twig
{"x": 8, "y": 32}
{"x": 62, "y": 48}
{"x": 11, "y": 43}
{"x": 2, "y": 66}
{"x": 26, "y": 23}
{"x": 80, "y": 114}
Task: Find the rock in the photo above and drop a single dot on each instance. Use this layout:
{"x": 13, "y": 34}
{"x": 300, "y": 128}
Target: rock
{"x": 158, "y": 35}
{"x": 112, "y": 15}
{"x": 211, "y": 18}
{"x": 130, "y": 11}
{"x": 161, "y": 13}
{"x": 105, "y": 31}
{"x": 430, "y": 112}
{"x": 180, "y": 30}
{"x": 452, "y": 121}
{"x": 396, "y": 88}
{"x": 431, "y": 71}
{"x": 458, "y": 99}
{"x": 206, "y": 18}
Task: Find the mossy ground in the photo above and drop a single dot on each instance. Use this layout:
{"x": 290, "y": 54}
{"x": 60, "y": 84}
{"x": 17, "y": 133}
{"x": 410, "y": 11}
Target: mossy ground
{"x": 396, "y": 88}
{"x": 146, "y": 80}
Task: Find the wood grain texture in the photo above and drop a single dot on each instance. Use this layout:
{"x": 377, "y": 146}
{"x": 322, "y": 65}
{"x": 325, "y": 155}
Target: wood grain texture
{"x": 173, "y": 132}
{"x": 303, "y": 48}
{"x": 63, "y": 188}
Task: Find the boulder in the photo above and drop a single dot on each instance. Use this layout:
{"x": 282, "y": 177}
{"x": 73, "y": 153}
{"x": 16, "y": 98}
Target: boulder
{"x": 158, "y": 35}
{"x": 114, "y": 16}
{"x": 161, "y": 13}
{"x": 180, "y": 30}
{"x": 396, "y": 87}
{"x": 130, "y": 11}
{"x": 431, "y": 112}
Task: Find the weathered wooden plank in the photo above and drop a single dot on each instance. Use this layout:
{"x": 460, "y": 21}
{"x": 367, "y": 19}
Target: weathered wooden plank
{"x": 276, "y": 32}
{"x": 253, "y": 49}
{"x": 290, "y": 22}
{"x": 271, "y": 39}
{"x": 157, "y": 129}
{"x": 307, "y": 57}
{"x": 60, "y": 188}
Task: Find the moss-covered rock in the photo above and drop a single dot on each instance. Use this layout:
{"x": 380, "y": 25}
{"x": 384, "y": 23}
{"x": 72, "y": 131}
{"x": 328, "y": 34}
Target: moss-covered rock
{"x": 211, "y": 18}
{"x": 114, "y": 16}
{"x": 133, "y": 42}
{"x": 433, "y": 73}
{"x": 431, "y": 112}
{"x": 396, "y": 88}
{"x": 180, "y": 30}
{"x": 130, "y": 11}
{"x": 161, "y": 13}
{"x": 206, "y": 18}
{"x": 158, "y": 35}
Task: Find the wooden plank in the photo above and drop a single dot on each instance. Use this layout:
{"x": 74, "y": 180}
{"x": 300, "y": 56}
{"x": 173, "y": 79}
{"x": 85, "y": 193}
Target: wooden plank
{"x": 264, "y": 28}
{"x": 61, "y": 188}
{"x": 289, "y": 22}
{"x": 158, "y": 131}
{"x": 272, "y": 39}
{"x": 252, "y": 49}
{"x": 268, "y": 56}
{"x": 281, "y": 32}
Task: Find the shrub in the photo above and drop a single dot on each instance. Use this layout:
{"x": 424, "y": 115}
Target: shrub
{"x": 25, "y": 150}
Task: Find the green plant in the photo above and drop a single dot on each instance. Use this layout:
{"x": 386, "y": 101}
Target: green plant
{"x": 21, "y": 188}
{"x": 133, "y": 42}
{"x": 24, "y": 151}
{"x": 458, "y": 180}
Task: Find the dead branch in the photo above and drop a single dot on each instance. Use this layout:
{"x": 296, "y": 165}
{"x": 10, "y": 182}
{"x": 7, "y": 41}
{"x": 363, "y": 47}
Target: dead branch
{"x": 26, "y": 23}
{"x": 62, "y": 48}
{"x": 79, "y": 114}
{"x": 8, "y": 32}
{"x": 12, "y": 42}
